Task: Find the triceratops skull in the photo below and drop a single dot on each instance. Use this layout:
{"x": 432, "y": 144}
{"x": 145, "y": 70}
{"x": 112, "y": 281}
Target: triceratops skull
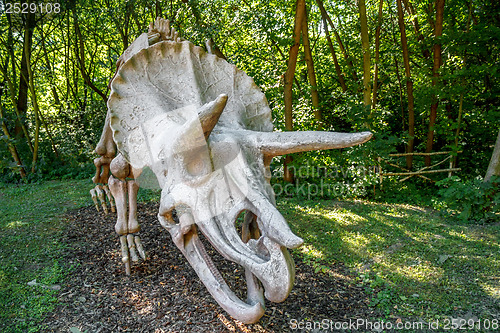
{"x": 204, "y": 128}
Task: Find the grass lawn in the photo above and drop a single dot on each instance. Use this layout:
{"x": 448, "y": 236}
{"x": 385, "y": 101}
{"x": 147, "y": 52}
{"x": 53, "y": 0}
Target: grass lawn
{"x": 30, "y": 224}
{"x": 416, "y": 263}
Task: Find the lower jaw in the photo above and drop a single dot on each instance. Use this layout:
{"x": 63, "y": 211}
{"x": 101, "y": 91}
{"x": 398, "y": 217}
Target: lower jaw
{"x": 247, "y": 312}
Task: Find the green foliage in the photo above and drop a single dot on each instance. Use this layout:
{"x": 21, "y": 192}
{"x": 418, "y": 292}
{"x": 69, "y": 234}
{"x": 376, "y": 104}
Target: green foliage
{"x": 256, "y": 36}
{"x": 383, "y": 295}
{"x": 472, "y": 200}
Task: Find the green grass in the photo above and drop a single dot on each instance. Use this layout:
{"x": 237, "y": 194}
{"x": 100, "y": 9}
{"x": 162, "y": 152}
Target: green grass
{"x": 30, "y": 227}
{"x": 416, "y": 263}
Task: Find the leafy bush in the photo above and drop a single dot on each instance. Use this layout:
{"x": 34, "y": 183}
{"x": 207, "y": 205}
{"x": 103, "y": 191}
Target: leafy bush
{"x": 473, "y": 199}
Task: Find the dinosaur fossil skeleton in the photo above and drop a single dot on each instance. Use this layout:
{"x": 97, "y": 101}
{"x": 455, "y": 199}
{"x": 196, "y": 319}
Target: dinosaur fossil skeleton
{"x": 204, "y": 129}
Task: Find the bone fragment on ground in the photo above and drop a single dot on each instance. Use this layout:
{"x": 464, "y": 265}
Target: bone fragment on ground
{"x": 110, "y": 197}
{"x": 119, "y": 190}
{"x": 102, "y": 199}
{"x": 93, "y": 194}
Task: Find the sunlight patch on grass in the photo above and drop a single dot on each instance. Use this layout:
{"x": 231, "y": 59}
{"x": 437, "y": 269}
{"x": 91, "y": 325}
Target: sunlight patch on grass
{"x": 356, "y": 242}
{"x": 434, "y": 265}
{"x": 311, "y": 251}
{"x": 15, "y": 224}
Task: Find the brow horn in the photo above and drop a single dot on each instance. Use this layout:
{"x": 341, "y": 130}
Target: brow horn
{"x": 209, "y": 114}
{"x": 282, "y": 143}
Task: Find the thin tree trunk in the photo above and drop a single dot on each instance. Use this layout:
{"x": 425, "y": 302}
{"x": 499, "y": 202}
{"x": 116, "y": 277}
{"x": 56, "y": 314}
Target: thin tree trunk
{"x": 339, "y": 41}
{"x": 377, "y": 53}
{"x": 438, "y": 31}
{"x": 461, "y": 103}
{"x": 12, "y": 93}
{"x": 51, "y": 73}
{"x": 12, "y": 147}
{"x": 283, "y": 56}
{"x": 13, "y": 150}
{"x": 409, "y": 86}
{"x": 80, "y": 55}
{"x": 289, "y": 76}
{"x": 420, "y": 37}
{"x": 22, "y": 97}
{"x": 292, "y": 63}
{"x": 34, "y": 102}
{"x": 310, "y": 68}
{"x": 494, "y": 166}
{"x": 157, "y": 9}
{"x": 397, "y": 70}
{"x": 365, "y": 43}
{"x": 338, "y": 70}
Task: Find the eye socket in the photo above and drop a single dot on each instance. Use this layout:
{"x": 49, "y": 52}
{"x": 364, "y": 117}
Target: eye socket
{"x": 197, "y": 162}
{"x": 196, "y": 166}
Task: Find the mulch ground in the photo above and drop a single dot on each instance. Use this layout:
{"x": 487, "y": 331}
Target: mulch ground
{"x": 164, "y": 294}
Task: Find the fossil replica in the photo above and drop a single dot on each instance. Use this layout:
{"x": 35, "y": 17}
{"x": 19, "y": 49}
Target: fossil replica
{"x": 204, "y": 129}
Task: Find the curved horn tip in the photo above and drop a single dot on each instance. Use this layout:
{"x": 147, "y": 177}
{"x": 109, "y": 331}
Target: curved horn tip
{"x": 367, "y": 135}
{"x": 222, "y": 98}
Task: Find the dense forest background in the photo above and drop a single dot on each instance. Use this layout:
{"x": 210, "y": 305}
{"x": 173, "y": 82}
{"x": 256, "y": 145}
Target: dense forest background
{"x": 422, "y": 75}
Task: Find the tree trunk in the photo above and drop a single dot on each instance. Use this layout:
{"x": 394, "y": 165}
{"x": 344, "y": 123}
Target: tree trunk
{"x": 338, "y": 70}
{"x": 289, "y": 76}
{"x": 80, "y": 55}
{"x": 494, "y": 166}
{"x": 22, "y": 97}
{"x": 310, "y": 68}
{"x": 438, "y": 31}
{"x": 420, "y": 37}
{"x": 292, "y": 63}
{"x": 409, "y": 86}
{"x": 34, "y": 102}
{"x": 365, "y": 43}
{"x": 53, "y": 88}
{"x": 12, "y": 92}
{"x": 12, "y": 147}
{"x": 339, "y": 41}
{"x": 377, "y": 51}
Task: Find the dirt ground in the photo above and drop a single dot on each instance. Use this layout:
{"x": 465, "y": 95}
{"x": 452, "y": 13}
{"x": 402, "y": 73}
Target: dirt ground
{"x": 164, "y": 294}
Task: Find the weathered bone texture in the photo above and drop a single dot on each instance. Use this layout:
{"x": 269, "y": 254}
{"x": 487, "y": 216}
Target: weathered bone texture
{"x": 204, "y": 128}
{"x": 102, "y": 199}
{"x": 121, "y": 185}
{"x": 110, "y": 197}
{"x": 93, "y": 194}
